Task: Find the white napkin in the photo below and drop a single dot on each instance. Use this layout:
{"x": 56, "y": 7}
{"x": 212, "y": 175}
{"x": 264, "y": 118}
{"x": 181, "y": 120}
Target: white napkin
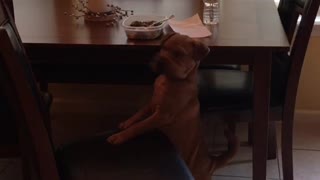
{"x": 191, "y": 27}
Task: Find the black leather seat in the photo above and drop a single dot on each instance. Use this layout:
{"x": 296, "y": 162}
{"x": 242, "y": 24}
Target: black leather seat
{"x": 150, "y": 156}
{"x": 300, "y": 3}
{"x": 233, "y": 89}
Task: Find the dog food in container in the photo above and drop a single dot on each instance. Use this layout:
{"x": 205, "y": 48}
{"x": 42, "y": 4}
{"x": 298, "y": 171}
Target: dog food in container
{"x": 140, "y": 26}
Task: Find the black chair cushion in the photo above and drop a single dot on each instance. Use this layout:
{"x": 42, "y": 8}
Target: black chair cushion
{"x": 224, "y": 89}
{"x": 148, "y": 157}
{"x": 300, "y": 3}
{"x": 222, "y": 66}
{"x": 233, "y": 89}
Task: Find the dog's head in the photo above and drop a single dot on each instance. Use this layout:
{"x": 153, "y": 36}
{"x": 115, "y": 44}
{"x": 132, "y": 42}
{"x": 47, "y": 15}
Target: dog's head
{"x": 179, "y": 55}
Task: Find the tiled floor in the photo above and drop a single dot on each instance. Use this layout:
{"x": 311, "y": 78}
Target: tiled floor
{"x": 90, "y": 107}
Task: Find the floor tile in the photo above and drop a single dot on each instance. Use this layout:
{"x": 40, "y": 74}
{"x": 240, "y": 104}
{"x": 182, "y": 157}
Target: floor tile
{"x": 3, "y": 166}
{"x": 228, "y": 178}
{"x": 234, "y": 178}
{"x": 5, "y": 163}
{"x": 306, "y": 134}
{"x": 241, "y": 166}
{"x": 306, "y": 145}
{"x": 12, "y": 171}
{"x": 305, "y": 165}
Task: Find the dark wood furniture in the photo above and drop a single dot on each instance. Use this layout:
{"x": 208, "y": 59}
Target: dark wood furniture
{"x": 216, "y": 91}
{"x": 8, "y": 132}
{"x": 148, "y": 157}
{"x": 62, "y": 49}
{"x": 9, "y": 3}
{"x": 8, "y": 136}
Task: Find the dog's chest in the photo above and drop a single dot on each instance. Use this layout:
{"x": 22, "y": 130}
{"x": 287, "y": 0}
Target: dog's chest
{"x": 169, "y": 93}
{"x": 160, "y": 90}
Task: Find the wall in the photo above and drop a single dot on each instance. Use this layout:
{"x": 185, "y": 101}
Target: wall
{"x": 308, "y": 98}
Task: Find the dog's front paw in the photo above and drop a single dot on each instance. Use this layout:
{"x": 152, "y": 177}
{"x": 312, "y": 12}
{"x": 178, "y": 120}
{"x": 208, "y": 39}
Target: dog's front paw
{"x": 116, "y": 139}
{"x": 126, "y": 124}
{"x": 123, "y": 125}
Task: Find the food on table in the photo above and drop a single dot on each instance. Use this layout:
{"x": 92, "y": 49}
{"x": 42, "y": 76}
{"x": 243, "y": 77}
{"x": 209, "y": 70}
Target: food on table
{"x": 143, "y": 27}
{"x": 144, "y": 23}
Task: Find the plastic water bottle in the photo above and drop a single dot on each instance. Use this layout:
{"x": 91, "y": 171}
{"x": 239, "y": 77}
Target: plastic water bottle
{"x": 211, "y": 11}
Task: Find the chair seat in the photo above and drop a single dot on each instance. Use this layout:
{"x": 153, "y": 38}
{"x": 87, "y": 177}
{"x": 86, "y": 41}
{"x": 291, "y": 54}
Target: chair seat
{"x": 300, "y": 3}
{"x": 233, "y": 89}
{"x": 148, "y": 157}
{"x": 222, "y": 66}
{"x": 229, "y": 90}
{"x": 221, "y": 89}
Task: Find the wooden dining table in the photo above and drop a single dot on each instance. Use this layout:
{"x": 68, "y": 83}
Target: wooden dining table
{"x": 62, "y": 48}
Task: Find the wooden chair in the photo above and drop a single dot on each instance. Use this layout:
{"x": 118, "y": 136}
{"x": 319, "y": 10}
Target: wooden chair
{"x": 231, "y": 91}
{"x": 9, "y": 4}
{"x": 147, "y": 157}
{"x": 8, "y": 135}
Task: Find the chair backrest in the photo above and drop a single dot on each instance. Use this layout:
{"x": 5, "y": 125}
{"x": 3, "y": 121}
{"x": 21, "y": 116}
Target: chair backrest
{"x": 9, "y": 4}
{"x": 298, "y": 31}
{"x": 16, "y": 79}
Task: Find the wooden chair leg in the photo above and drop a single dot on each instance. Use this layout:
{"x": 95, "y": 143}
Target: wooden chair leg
{"x": 48, "y": 99}
{"x": 250, "y": 133}
{"x": 24, "y": 150}
{"x": 232, "y": 127}
{"x": 272, "y": 139}
{"x": 286, "y": 143}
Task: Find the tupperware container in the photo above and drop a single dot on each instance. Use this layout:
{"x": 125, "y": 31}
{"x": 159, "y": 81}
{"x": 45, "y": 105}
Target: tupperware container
{"x": 151, "y": 32}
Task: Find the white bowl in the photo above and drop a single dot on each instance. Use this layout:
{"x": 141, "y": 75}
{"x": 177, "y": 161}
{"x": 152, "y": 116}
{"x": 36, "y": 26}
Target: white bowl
{"x": 151, "y": 32}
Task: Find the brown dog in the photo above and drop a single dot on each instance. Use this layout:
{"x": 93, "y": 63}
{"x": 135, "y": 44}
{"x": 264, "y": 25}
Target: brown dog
{"x": 174, "y": 108}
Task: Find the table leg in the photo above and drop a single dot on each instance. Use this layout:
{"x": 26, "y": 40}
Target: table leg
{"x": 272, "y": 139}
{"x": 262, "y": 77}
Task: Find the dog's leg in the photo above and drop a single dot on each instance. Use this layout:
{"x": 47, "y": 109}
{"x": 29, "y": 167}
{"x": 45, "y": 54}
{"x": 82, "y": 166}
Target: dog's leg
{"x": 233, "y": 146}
{"x": 152, "y": 122}
{"x": 141, "y": 114}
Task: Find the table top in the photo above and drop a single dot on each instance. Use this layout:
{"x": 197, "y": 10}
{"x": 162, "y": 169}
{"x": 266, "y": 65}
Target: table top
{"x": 245, "y": 23}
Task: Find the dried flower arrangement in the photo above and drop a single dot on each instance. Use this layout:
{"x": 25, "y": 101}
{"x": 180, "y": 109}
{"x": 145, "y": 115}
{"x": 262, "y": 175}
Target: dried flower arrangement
{"x": 112, "y": 16}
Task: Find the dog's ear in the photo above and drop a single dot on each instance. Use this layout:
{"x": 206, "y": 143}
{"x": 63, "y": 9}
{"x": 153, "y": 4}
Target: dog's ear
{"x": 200, "y": 50}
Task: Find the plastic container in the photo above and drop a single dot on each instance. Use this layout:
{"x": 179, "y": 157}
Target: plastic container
{"x": 151, "y": 32}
